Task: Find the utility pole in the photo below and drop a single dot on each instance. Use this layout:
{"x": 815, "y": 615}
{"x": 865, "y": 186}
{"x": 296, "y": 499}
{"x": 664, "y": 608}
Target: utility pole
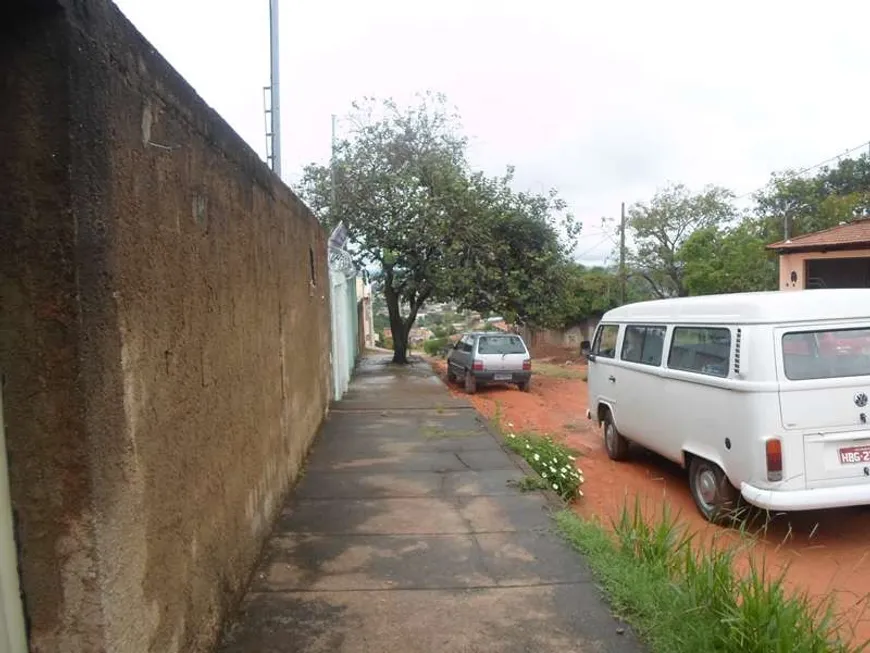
{"x": 275, "y": 89}
{"x": 622, "y": 280}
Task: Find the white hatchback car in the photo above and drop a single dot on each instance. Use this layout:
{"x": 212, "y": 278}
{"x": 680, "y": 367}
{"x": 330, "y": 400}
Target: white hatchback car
{"x": 490, "y": 357}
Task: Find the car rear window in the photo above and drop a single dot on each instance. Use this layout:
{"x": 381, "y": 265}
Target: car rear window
{"x": 500, "y": 345}
{"x": 828, "y": 354}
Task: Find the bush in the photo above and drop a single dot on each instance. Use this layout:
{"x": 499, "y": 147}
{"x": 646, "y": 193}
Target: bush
{"x": 434, "y": 346}
{"x": 553, "y": 461}
{"x": 684, "y": 597}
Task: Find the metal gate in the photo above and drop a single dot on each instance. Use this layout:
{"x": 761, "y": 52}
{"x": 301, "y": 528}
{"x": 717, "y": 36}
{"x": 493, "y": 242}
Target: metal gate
{"x": 12, "y": 635}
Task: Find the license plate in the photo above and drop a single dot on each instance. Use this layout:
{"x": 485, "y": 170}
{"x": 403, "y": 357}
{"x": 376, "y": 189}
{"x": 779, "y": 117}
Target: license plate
{"x": 851, "y": 455}
{"x": 502, "y": 377}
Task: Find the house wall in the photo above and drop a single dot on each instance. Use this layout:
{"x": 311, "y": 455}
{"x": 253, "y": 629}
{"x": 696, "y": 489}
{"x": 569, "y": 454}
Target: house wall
{"x": 164, "y": 342}
{"x": 796, "y": 262}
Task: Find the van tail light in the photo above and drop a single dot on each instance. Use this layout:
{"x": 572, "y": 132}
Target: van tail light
{"x": 477, "y": 366}
{"x": 527, "y": 365}
{"x": 773, "y": 453}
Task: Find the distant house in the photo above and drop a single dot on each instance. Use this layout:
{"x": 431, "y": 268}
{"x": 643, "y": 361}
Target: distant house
{"x": 838, "y": 257}
{"x": 418, "y": 335}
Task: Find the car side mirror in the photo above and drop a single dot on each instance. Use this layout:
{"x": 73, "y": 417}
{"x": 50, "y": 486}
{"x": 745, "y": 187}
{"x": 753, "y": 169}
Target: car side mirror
{"x": 590, "y": 357}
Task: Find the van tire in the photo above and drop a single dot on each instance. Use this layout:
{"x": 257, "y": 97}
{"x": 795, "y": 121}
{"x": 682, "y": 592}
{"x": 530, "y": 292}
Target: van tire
{"x": 716, "y": 499}
{"x": 470, "y": 383}
{"x": 614, "y": 443}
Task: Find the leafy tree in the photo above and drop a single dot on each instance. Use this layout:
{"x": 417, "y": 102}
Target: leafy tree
{"x": 809, "y": 204}
{"x": 730, "y": 259}
{"x": 588, "y": 292}
{"x": 660, "y": 228}
{"x": 510, "y": 255}
{"x": 402, "y": 186}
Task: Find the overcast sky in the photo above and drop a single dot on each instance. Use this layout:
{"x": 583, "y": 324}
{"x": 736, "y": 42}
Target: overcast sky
{"x": 603, "y": 101}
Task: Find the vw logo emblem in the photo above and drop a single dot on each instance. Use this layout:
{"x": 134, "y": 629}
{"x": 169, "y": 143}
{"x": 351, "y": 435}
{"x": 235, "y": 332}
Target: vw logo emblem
{"x": 860, "y": 399}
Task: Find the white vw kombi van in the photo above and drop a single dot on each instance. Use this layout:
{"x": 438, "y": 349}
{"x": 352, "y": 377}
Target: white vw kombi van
{"x": 763, "y": 395}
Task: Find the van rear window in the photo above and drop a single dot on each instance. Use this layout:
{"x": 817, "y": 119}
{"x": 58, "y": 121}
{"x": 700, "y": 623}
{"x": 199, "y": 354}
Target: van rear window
{"x": 829, "y": 354}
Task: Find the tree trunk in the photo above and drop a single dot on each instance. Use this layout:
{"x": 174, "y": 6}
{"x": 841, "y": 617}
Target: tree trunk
{"x": 397, "y": 324}
{"x": 400, "y": 338}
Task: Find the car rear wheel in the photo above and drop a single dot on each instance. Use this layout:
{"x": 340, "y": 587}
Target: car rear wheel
{"x": 716, "y": 499}
{"x": 451, "y": 377}
{"x": 614, "y": 442}
{"x": 470, "y": 383}
{"x": 525, "y": 386}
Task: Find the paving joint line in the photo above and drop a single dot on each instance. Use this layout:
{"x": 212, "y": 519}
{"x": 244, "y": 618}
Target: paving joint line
{"x": 437, "y": 588}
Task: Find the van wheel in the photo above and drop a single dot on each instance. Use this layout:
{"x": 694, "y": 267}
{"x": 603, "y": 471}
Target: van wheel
{"x": 470, "y": 383}
{"x": 615, "y": 444}
{"x": 713, "y": 493}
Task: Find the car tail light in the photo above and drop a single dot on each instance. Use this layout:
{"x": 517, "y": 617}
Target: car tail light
{"x": 773, "y": 451}
{"x": 477, "y": 366}
{"x": 527, "y": 364}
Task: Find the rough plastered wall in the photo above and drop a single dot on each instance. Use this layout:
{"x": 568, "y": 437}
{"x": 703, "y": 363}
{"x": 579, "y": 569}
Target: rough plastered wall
{"x": 165, "y": 303}
{"x": 40, "y": 336}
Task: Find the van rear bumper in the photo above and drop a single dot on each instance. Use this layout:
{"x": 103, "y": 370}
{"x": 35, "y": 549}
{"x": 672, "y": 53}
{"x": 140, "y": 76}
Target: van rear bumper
{"x": 828, "y": 497}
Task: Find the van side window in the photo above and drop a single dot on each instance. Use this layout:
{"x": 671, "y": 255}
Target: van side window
{"x": 605, "y": 341}
{"x": 705, "y": 350}
{"x": 643, "y": 344}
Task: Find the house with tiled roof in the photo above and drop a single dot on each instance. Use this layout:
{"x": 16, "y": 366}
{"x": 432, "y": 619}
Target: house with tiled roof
{"x": 838, "y": 257}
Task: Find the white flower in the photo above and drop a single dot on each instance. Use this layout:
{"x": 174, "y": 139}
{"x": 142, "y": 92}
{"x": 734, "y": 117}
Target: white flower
{"x": 528, "y": 446}
{"x": 537, "y": 457}
{"x": 571, "y": 458}
{"x": 510, "y": 424}
{"x": 555, "y": 462}
{"x": 511, "y": 435}
{"x": 543, "y": 474}
{"x": 555, "y": 487}
{"x": 579, "y": 492}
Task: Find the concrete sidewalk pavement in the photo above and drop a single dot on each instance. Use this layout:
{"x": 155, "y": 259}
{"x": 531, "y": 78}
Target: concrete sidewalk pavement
{"x": 406, "y": 535}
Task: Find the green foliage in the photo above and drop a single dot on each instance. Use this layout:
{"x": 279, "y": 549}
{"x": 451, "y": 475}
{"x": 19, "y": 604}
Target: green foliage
{"x": 587, "y": 292}
{"x": 660, "y": 228}
{"x": 729, "y": 259}
{"x": 830, "y": 196}
{"x": 684, "y": 597}
{"x": 435, "y": 345}
{"x": 552, "y": 460}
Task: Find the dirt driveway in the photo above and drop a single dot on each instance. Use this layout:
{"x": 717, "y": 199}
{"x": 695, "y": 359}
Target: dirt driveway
{"x": 827, "y": 552}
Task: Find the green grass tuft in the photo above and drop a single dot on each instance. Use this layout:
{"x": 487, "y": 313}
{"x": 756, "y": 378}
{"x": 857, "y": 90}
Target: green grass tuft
{"x": 682, "y": 596}
{"x": 558, "y": 371}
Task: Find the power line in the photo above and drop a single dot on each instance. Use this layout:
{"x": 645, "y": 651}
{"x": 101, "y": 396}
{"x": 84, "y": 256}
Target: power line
{"x": 803, "y": 171}
{"x": 593, "y": 248}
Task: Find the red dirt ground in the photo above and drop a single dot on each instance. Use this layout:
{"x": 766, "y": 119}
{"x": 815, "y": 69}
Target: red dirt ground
{"x": 826, "y": 552}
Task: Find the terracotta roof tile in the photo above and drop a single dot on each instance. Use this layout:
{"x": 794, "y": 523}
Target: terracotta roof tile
{"x": 852, "y": 233}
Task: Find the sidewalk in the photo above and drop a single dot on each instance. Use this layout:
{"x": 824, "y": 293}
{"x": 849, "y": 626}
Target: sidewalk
{"x": 404, "y": 535}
